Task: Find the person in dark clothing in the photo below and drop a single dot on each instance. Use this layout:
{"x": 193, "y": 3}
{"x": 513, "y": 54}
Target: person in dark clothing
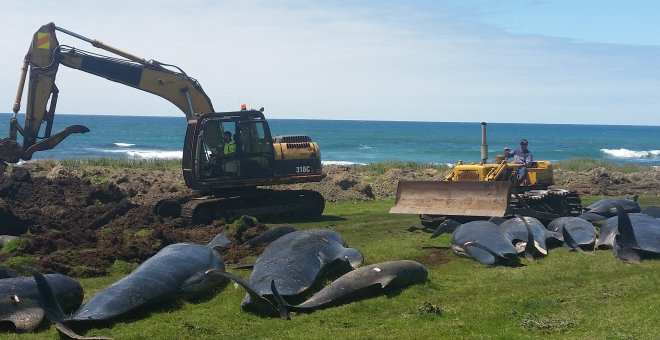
{"x": 522, "y": 156}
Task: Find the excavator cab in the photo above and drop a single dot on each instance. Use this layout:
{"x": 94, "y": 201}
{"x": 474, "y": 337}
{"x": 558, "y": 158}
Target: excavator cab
{"x": 259, "y": 158}
{"x": 245, "y": 154}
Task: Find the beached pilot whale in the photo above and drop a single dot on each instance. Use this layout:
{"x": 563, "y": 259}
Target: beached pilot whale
{"x": 607, "y": 206}
{"x": 518, "y": 228}
{"x": 294, "y": 262}
{"x": 652, "y": 211}
{"x": 577, "y": 232}
{"x": 591, "y": 217}
{"x": 637, "y": 237}
{"x": 19, "y": 299}
{"x": 610, "y": 228}
{"x": 178, "y": 269}
{"x": 363, "y": 282}
{"x": 489, "y": 244}
{"x": 270, "y": 235}
{"x": 6, "y": 272}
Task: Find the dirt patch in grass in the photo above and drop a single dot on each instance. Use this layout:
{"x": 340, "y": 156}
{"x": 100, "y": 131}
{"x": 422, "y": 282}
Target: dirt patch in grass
{"x": 435, "y": 256}
{"x": 58, "y": 220}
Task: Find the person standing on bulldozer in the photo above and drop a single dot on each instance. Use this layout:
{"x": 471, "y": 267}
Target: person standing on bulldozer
{"x": 522, "y": 156}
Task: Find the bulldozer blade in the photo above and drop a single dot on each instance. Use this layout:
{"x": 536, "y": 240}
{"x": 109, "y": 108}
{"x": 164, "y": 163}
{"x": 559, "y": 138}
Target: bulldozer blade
{"x": 447, "y": 198}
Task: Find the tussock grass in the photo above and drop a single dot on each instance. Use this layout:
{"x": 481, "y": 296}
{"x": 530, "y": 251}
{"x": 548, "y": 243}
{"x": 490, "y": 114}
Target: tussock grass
{"x": 564, "y": 295}
{"x": 382, "y": 167}
{"x": 586, "y": 164}
{"x": 12, "y": 245}
{"x": 576, "y": 164}
{"x": 124, "y": 163}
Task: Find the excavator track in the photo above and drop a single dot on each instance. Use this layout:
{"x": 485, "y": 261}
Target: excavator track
{"x": 261, "y": 203}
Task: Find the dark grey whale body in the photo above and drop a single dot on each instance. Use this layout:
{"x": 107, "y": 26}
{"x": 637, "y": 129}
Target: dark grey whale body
{"x": 366, "y": 281}
{"x": 577, "y": 232}
{"x": 177, "y": 270}
{"x": 607, "y": 206}
{"x": 290, "y": 265}
{"x": 19, "y": 299}
{"x": 517, "y": 228}
{"x": 638, "y": 236}
{"x": 484, "y": 241}
{"x": 270, "y": 235}
{"x": 295, "y": 260}
{"x": 652, "y": 211}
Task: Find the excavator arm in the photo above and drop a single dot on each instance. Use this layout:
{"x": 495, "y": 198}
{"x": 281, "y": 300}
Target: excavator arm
{"x": 41, "y": 63}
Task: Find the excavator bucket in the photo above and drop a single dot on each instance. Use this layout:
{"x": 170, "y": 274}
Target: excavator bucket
{"x": 448, "y": 198}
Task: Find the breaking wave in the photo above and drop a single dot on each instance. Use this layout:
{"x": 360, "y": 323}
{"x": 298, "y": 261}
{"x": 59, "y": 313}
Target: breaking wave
{"x": 141, "y": 153}
{"x": 155, "y": 154}
{"x": 632, "y": 154}
{"x": 341, "y": 163}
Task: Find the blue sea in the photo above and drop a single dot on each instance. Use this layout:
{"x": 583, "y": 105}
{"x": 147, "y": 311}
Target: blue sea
{"x": 363, "y": 142}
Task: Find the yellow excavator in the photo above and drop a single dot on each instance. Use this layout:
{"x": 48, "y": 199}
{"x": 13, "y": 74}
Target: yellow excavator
{"x": 486, "y": 189}
{"x": 226, "y": 182}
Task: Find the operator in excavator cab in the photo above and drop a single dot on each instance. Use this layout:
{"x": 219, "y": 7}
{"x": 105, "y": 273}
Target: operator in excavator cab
{"x": 229, "y": 148}
{"x": 521, "y": 156}
{"x": 229, "y": 154}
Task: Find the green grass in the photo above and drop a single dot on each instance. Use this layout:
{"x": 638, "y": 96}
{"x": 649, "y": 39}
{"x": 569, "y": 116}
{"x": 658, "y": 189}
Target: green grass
{"x": 382, "y": 167}
{"x": 586, "y": 164}
{"x": 564, "y": 295}
{"x": 12, "y": 245}
{"x": 123, "y": 163}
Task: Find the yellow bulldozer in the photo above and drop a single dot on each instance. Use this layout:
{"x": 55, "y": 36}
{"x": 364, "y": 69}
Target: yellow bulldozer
{"x": 482, "y": 190}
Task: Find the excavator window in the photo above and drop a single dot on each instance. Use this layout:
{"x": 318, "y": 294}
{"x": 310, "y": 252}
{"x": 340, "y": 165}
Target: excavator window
{"x": 257, "y": 155}
{"x": 213, "y": 136}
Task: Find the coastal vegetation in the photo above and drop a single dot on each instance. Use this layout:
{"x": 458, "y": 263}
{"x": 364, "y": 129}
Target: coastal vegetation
{"x": 564, "y": 295}
{"x": 575, "y": 164}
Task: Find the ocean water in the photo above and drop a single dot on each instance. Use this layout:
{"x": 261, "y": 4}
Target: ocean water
{"x": 363, "y": 142}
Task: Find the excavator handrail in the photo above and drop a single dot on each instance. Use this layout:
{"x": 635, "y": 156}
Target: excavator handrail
{"x": 101, "y": 45}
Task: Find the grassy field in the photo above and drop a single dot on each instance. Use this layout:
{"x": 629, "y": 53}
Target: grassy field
{"x": 566, "y": 295}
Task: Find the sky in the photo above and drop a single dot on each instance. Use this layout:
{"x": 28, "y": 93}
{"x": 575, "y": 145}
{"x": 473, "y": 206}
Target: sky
{"x": 527, "y": 61}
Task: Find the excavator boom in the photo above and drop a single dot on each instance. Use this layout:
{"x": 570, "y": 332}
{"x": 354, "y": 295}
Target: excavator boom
{"x": 41, "y": 64}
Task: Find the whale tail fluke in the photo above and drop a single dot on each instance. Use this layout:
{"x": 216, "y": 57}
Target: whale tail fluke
{"x": 281, "y": 304}
{"x": 530, "y": 246}
{"x": 259, "y": 301}
{"x": 220, "y": 241}
{"x": 53, "y": 310}
{"x": 625, "y": 244}
{"x": 47, "y": 298}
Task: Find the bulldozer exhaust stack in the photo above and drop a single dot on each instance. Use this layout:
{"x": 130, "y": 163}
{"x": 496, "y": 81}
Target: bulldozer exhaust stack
{"x": 484, "y": 146}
